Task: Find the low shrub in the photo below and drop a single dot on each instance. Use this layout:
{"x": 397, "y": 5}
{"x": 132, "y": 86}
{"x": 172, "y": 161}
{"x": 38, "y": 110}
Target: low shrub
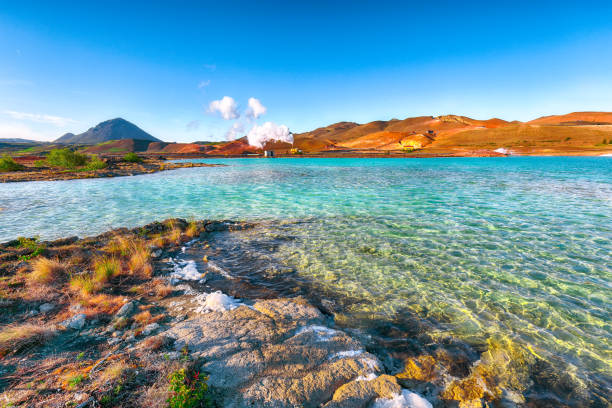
{"x": 7, "y": 163}
{"x": 132, "y": 158}
{"x": 188, "y": 389}
{"x": 33, "y": 245}
{"x": 45, "y": 271}
{"x": 66, "y": 158}
{"x": 95, "y": 163}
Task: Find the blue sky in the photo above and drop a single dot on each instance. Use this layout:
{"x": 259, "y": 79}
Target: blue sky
{"x": 65, "y": 66}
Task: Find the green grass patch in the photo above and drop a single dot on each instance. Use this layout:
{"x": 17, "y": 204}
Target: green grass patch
{"x": 132, "y": 158}
{"x": 105, "y": 143}
{"x": 75, "y": 381}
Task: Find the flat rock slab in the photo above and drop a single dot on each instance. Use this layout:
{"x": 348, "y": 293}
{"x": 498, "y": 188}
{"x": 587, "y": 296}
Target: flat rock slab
{"x": 282, "y": 353}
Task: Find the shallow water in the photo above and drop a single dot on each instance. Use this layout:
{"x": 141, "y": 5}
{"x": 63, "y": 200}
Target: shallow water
{"x": 485, "y": 249}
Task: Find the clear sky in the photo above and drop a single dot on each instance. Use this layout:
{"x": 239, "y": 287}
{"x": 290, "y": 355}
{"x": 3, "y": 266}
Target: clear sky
{"x": 65, "y": 66}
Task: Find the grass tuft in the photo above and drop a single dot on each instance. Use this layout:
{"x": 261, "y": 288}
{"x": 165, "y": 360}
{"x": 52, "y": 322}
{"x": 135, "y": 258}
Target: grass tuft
{"x": 192, "y": 229}
{"x": 45, "y": 271}
{"x": 84, "y": 284}
{"x": 140, "y": 255}
{"x": 175, "y": 236}
{"x": 106, "y": 268}
{"x": 113, "y": 373}
{"x": 118, "y": 246}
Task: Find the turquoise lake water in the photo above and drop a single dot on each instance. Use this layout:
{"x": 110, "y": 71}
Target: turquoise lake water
{"x": 512, "y": 250}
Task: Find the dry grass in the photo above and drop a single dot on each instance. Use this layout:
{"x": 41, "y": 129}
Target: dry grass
{"x": 155, "y": 343}
{"x": 85, "y": 285}
{"x": 114, "y": 372}
{"x": 106, "y": 268}
{"x": 45, "y": 271}
{"x": 192, "y": 229}
{"x": 159, "y": 241}
{"x": 143, "y": 318}
{"x": 139, "y": 257}
{"x": 16, "y": 338}
{"x": 161, "y": 289}
{"x": 101, "y": 304}
{"x": 175, "y": 236}
{"x": 118, "y": 246}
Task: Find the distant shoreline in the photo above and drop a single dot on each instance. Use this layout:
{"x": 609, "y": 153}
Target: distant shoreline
{"x": 119, "y": 169}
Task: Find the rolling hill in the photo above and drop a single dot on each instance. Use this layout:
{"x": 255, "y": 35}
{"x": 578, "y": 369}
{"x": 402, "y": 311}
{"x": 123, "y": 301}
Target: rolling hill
{"x": 577, "y": 133}
{"x": 573, "y": 133}
{"x": 113, "y": 129}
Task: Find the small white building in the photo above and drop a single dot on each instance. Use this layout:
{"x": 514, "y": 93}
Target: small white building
{"x": 268, "y": 153}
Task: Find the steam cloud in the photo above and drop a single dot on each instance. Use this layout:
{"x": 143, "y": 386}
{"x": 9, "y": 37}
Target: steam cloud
{"x": 255, "y": 109}
{"x": 226, "y": 106}
{"x": 268, "y": 132}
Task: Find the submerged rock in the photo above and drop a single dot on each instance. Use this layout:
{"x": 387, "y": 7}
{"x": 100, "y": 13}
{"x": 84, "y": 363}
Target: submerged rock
{"x": 405, "y": 399}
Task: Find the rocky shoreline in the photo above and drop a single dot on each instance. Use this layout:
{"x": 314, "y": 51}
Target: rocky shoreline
{"x": 114, "y": 169}
{"x": 121, "y": 316}
{"x": 116, "y": 346}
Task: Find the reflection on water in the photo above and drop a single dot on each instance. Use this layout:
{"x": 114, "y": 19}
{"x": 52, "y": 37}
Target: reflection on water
{"x": 511, "y": 253}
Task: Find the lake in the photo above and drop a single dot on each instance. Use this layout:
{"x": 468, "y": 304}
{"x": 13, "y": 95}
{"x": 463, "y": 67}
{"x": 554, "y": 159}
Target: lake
{"x": 494, "y": 252}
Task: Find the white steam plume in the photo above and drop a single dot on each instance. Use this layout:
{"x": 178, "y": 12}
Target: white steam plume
{"x": 226, "y": 106}
{"x": 256, "y": 109}
{"x": 269, "y": 132}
